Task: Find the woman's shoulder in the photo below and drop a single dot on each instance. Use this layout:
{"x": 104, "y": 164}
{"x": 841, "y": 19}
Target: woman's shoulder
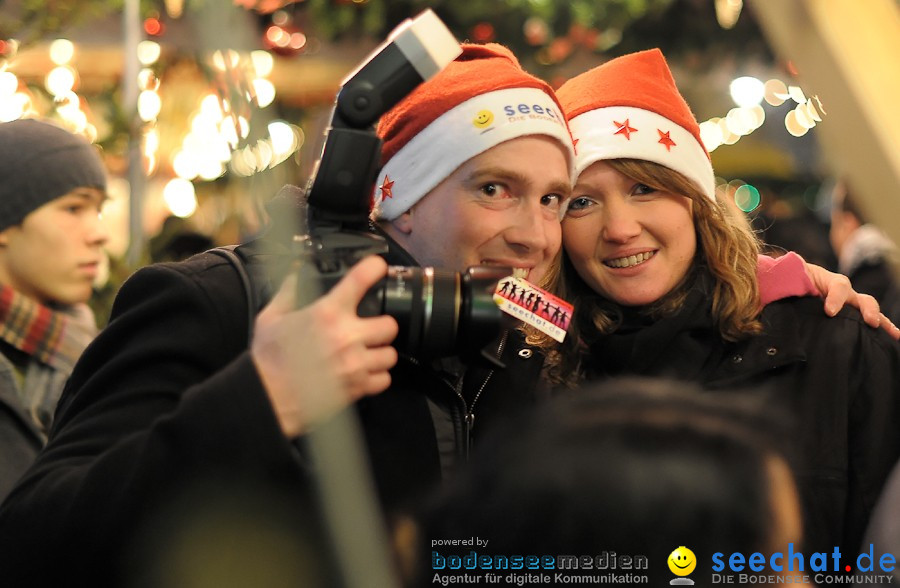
{"x": 799, "y": 338}
{"x": 810, "y": 310}
{"x": 804, "y": 318}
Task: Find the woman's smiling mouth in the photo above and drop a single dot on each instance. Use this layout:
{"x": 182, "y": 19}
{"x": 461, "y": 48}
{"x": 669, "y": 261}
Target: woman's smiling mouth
{"x": 629, "y": 260}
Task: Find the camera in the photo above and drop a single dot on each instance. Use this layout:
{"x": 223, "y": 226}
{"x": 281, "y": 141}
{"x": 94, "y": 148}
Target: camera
{"x": 440, "y": 313}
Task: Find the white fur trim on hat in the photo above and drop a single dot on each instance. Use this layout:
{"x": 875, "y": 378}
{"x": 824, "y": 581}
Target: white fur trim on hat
{"x": 602, "y": 134}
{"x": 460, "y": 134}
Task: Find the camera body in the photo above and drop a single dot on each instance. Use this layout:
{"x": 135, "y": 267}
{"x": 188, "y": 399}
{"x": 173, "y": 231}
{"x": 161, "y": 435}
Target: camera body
{"x": 440, "y": 313}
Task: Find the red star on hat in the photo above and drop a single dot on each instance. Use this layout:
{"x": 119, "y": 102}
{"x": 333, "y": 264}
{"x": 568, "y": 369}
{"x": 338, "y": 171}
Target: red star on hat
{"x": 665, "y": 139}
{"x": 624, "y": 129}
{"x": 386, "y": 189}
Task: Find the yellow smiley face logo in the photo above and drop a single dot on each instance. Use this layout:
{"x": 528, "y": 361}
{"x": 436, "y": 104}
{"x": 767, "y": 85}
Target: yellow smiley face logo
{"x": 483, "y": 119}
{"x": 682, "y": 561}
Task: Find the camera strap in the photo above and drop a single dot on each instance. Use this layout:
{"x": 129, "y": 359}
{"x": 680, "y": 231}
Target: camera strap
{"x": 228, "y": 252}
{"x": 260, "y": 265}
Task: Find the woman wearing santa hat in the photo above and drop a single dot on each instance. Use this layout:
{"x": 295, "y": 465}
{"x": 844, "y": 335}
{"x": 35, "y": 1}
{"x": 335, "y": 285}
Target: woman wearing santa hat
{"x": 662, "y": 272}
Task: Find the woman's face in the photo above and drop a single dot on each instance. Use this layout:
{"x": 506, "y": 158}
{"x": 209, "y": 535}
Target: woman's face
{"x": 629, "y": 242}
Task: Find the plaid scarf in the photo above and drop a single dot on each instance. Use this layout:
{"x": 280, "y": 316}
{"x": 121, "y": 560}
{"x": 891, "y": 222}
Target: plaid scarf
{"x": 53, "y": 338}
{"x": 39, "y": 331}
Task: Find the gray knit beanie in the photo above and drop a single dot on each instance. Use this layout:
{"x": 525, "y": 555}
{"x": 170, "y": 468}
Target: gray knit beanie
{"x": 40, "y": 162}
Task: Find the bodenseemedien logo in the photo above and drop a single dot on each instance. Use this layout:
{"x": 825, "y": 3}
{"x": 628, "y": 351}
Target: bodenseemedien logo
{"x": 682, "y": 562}
{"x": 480, "y": 567}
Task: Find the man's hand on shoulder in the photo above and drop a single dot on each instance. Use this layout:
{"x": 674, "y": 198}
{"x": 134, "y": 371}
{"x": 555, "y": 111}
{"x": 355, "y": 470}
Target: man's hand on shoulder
{"x": 837, "y": 291}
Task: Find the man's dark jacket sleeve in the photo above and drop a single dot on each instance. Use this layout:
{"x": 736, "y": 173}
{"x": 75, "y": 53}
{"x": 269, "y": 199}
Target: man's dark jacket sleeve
{"x": 166, "y": 395}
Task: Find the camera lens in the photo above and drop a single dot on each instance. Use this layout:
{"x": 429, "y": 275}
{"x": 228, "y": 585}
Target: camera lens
{"x": 440, "y": 313}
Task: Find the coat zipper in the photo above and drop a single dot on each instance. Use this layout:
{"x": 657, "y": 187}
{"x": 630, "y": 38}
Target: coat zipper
{"x": 469, "y": 411}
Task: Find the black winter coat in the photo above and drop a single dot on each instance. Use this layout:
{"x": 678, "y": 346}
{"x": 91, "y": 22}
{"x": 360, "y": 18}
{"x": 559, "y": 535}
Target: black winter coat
{"x": 166, "y": 413}
{"x": 20, "y": 438}
{"x": 837, "y": 379}
{"x": 877, "y": 278}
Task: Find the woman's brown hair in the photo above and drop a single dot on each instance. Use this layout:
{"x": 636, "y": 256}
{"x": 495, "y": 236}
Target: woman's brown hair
{"x": 727, "y": 252}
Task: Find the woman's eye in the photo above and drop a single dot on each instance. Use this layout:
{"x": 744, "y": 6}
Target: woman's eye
{"x": 643, "y": 190}
{"x": 579, "y": 203}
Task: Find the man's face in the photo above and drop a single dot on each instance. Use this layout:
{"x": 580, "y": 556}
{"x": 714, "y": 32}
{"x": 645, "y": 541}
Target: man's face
{"x": 499, "y": 208}
{"x": 55, "y": 253}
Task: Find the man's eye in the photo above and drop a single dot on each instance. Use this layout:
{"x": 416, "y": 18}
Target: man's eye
{"x": 494, "y": 190}
{"x": 551, "y": 200}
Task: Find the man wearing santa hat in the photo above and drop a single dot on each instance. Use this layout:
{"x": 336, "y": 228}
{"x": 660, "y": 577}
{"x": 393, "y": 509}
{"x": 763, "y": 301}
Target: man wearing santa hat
{"x": 476, "y": 165}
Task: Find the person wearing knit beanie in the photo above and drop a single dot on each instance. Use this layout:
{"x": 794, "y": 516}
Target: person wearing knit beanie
{"x": 40, "y": 162}
{"x": 475, "y": 164}
{"x": 50, "y": 178}
{"x": 662, "y": 271}
{"x": 52, "y": 185}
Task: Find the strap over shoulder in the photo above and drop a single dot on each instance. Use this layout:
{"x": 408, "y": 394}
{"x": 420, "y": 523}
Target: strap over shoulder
{"x": 259, "y": 269}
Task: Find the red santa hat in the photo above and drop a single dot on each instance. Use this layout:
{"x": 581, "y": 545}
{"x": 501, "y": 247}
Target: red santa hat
{"x": 480, "y": 100}
{"x": 629, "y": 107}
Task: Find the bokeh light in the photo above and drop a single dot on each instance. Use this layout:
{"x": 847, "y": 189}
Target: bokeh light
{"x": 148, "y": 52}
{"x": 9, "y": 83}
{"x": 793, "y": 126}
{"x": 711, "y": 134}
{"x": 747, "y": 91}
{"x": 797, "y": 94}
{"x": 60, "y": 80}
{"x": 149, "y": 105}
{"x": 747, "y": 197}
{"x": 265, "y": 92}
{"x": 263, "y": 62}
{"x": 776, "y": 92}
{"x": 62, "y": 51}
{"x": 180, "y": 197}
